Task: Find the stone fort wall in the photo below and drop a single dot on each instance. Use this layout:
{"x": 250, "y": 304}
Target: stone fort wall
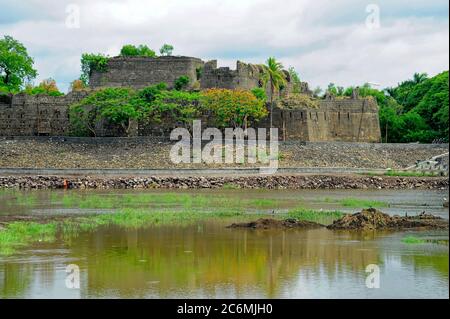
{"x": 29, "y": 115}
{"x": 139, "y": 72}
{"x": 350, "y": 120}
{"x": 353, "y": 119}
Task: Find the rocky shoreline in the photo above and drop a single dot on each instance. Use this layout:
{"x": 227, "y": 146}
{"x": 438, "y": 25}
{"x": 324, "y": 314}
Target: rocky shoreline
{"x": 251, "y": 182}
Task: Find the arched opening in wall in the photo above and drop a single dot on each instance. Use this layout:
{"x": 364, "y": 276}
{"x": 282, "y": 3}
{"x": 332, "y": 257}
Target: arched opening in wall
{"x": 290, "y": 114}
{"x": 301, "y": 115}
{"x": 348, "y": 116}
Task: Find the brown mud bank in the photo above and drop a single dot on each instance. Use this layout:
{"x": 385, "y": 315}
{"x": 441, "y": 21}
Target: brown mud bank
{"x": 268, "y": 223}
{"x": 367, "y": 219}
{"x": 252, "y": 182}
{"x": 372, "y": 219}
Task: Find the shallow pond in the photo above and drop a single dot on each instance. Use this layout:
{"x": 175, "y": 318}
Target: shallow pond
{"x": 204, "y": 259}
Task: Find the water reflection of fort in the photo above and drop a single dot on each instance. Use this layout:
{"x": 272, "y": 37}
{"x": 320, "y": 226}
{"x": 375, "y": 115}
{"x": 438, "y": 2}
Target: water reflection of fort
{"x": 205, "y": 261}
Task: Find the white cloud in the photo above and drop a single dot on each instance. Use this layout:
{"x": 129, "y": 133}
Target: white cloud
{"x": 327, "y": 41}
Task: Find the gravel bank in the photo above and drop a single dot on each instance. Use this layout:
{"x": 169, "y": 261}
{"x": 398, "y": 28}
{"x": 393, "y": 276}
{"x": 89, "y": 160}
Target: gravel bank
{"x": 139, "y": 153}
{"x": 266, "y": 182}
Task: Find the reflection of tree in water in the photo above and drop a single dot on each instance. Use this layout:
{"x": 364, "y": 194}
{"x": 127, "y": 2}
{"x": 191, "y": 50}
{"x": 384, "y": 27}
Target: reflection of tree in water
{"x": 207, "y": 260}
{"x": 428, "y": 262}
{"x": 200, "y": 259}
{"x": 17, "y": 279}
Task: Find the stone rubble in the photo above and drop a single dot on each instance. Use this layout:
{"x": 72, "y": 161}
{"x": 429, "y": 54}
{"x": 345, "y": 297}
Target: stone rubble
{"x": 252, "y": 182}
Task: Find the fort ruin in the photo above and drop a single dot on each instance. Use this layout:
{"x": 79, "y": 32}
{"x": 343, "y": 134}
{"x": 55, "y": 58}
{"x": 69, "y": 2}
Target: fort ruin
{"x": 350, "y": 119}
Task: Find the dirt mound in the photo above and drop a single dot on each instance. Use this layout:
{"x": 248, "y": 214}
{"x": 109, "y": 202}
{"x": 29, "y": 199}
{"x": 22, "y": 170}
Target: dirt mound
{"x": 268, "y": 223}
{"x": 372, "y": 219}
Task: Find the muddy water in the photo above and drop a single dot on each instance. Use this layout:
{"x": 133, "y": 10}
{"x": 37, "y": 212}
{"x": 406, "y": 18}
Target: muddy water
{"x": 206, "y": 259}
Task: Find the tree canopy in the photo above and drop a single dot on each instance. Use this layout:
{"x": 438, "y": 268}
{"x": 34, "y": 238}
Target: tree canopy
{"x": 16, "y": 66}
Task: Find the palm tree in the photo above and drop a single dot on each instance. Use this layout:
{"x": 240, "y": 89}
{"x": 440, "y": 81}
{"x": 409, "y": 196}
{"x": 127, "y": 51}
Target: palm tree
{"x": 419, "y": 77}
{"x": 273, "y": 73}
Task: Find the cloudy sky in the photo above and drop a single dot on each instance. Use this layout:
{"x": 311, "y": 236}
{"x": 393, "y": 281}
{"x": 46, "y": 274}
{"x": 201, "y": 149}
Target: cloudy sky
{"x": 348, "y": 42}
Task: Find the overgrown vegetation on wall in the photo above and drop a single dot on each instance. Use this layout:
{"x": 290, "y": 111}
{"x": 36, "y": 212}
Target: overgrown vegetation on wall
{"x": 90, "y": 62}
{"x": 414, "y": 111}
{"x": 140, "y": 50}
{"x": 298, "y": 100}
{"x": 155, "y": 104}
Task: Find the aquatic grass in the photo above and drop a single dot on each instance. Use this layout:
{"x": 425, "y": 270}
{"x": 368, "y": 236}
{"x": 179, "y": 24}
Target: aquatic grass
{"x": 22, "y": 233}
{"x": 25, "y": 199}
{"x": 410, "y": 173}
{"x": 185, "y": 201}
{"x": 230, "y": 186}
{"x": 17, "y": 234}
{"x": 413, "y": 240}
{"x": 132, "y": 218}
{"x": 356, "y": 202}
{"x": 314, "y": 215}
{"x": 396, "y": 173}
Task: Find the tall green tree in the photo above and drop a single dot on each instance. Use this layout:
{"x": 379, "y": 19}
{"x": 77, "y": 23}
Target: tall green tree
{"x": 16, "y": 66}
{"x": 274, "y": 75}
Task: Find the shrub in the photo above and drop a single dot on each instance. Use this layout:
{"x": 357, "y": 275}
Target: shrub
{"x": 77, "y": 85}
{"x": 166, "y": 49}
{"x": 47, "y": 87}
{"x": 141, "y": 50}
{"x": 181, "y": 83}
{"x": 260, "y": 94}
{"x": 233, "y": 108}
{"x": 116, "y": 105}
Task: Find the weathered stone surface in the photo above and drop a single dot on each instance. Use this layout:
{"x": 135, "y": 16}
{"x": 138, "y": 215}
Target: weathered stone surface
{"x": 139, "y": 72}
